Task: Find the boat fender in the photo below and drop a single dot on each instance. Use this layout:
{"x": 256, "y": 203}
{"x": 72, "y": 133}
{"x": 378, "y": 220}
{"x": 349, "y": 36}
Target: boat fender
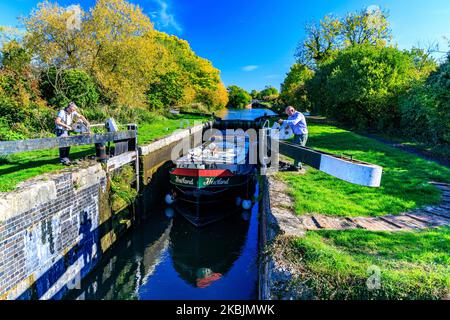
{"x": 238, "y": 201}
{"x": 170, "y": 199}
{"x": 247, "y": 204}
{"x": 246, "y": 216}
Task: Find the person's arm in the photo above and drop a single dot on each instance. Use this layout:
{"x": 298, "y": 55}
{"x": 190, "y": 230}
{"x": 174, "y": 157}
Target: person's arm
{"x": 298, "y": 118}
{"x": 82, "y": 118}
{"x": 59, "y": 122}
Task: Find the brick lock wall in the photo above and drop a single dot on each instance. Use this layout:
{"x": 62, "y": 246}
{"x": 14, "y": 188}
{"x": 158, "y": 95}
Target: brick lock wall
{"x": 54, "y": 243}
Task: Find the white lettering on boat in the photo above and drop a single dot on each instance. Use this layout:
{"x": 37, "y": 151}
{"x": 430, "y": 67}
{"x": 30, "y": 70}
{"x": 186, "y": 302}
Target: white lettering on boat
{"x": 218, "y": 182}
{"x": 183, "y": 180}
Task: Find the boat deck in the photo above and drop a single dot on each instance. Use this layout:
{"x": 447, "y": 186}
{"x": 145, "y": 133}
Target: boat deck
{"x": 230, "y": 150}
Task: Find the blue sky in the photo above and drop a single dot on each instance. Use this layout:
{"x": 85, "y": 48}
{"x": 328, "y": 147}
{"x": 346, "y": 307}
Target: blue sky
{"x": 253, "y": 41}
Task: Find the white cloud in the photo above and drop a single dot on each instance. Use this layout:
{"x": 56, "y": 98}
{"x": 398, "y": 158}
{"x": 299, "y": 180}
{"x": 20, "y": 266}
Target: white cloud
{"x": 164, "y": 18}
{"x": 373, "y": 8}
{"x": 272, "y": 76}
{"x": 250, "y": 68}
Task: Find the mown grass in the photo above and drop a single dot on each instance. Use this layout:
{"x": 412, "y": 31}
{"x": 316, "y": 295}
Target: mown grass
{"x": 23, "y": 166}
{"x": 162, "y": 126}
{"x": 404, "y": 185}
{"x": 339, "y": 264}
{"x": 20, "y": 167}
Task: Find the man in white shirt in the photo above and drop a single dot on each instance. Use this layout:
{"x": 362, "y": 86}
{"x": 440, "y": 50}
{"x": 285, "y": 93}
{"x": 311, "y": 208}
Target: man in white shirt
{"x": 297, "y": 122}
{"x": 63, "y": 126}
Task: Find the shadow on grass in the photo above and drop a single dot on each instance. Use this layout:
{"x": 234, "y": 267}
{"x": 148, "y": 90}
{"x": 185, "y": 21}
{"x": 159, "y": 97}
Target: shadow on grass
{"x": 18, "y": 169}
{"x": 15, "y": 165}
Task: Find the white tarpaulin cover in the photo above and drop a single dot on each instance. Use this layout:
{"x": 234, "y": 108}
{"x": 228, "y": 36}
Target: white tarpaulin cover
{"x": 285, "y": 130}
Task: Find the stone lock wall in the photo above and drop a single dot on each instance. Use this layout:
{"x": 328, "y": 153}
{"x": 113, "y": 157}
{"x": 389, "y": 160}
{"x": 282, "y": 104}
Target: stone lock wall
{"x": 55, "y": 228}
{"x": 156, "y": 161}
{"x": 50, "y": 233}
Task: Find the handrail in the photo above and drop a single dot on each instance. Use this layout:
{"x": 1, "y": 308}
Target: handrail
{"x": 12, "y": 147}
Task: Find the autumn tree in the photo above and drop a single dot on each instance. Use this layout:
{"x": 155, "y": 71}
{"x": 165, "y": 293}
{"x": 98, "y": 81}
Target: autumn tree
{"x": 200, "y": 81}
{"x": 121, "y": 51}
{"x": 22, "y": 111}
{"x": 52, "y": 36}
{"x": 100, "y": 42}
{"x": 115, "y": 44}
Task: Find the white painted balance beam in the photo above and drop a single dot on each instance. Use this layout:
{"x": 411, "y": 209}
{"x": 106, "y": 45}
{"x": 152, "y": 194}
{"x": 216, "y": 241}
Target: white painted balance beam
{"x": 353, "y": 171}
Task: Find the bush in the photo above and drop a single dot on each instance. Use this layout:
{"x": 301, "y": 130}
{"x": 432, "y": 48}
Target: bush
{"x": 425, "y": 110}
{"x": 21, "y": 109}
{"x": 361, "y": 86}
{"x": 6, "y": 133}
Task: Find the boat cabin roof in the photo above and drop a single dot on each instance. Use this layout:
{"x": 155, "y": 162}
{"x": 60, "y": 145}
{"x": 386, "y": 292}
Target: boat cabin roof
{"x": 219, "y": 150}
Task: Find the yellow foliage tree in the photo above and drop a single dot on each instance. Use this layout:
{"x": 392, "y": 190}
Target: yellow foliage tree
{"x": 52, "y": 35}
{"x": 202, "y": 83}
{"x": 115, "y": 42}
{"x": 123, "y": 53}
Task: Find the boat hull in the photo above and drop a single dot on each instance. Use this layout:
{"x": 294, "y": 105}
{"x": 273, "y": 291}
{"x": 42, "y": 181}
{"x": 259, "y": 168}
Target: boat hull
{"x": 203, "y": 204}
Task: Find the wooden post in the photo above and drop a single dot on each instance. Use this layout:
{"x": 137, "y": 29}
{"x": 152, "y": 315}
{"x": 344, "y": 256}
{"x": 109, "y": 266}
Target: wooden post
{"x": 133, "y": 146}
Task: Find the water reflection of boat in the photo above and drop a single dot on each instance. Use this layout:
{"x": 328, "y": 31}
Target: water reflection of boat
{"x": 134, "y": 261}
{"x": 204, "y": 256}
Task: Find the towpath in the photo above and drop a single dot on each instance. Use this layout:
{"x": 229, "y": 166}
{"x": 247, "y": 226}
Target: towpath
{"x": 427, "y": 217}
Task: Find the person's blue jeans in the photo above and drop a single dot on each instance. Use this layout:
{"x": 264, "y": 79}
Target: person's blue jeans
{"x": 301, "y": 139}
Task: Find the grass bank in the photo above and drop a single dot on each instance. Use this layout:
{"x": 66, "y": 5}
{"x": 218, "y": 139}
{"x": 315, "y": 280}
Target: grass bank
{"x": 20, "y": 167}
{"x": 339, "y": 264}
{"x": 404, "y": 185}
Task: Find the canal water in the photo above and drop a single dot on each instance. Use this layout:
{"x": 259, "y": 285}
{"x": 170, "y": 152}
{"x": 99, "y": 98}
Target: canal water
{"x": 166, "y": 258}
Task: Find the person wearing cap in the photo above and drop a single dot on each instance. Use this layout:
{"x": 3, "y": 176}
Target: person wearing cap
{"x": 63, "y": 127}
{"x": 297, "y": 122}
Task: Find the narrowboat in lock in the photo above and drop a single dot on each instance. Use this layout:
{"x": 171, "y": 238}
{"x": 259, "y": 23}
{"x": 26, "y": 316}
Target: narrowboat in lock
{"x": 214, "y": 180}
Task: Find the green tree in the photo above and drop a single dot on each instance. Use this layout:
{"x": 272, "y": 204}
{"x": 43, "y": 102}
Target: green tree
{"x": 60, "y": 87}
{"x": 269, "y": 93}
{"x": 368, "y": 26}
{"x": 238, "y": 97}
{"x": 425, "y": 110}
{"x": 324, "y": 39}
{"x": 361, "y": 86}
{"x": 255, "y": 94}
{"x": 168, "y": 91}
{"x": 293, "y": 91}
